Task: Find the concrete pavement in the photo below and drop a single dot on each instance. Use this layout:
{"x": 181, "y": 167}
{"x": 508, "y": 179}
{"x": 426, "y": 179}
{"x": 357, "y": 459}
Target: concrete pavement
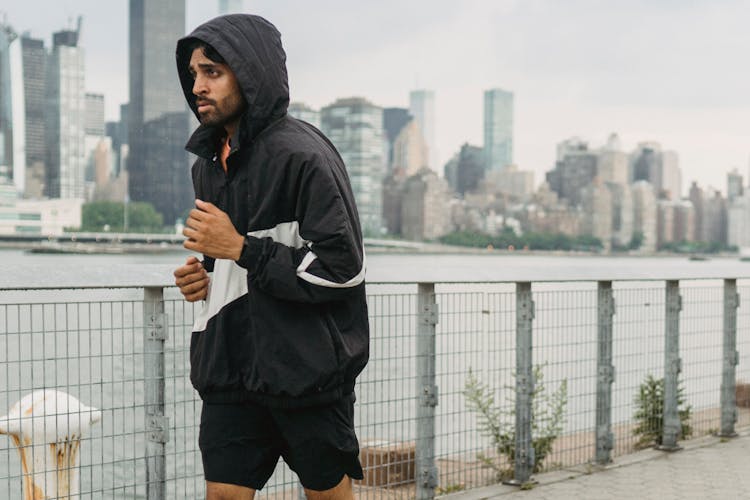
{"x": 706, "y": 468}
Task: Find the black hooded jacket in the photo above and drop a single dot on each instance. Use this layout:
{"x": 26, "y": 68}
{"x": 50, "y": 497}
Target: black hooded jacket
{"x": 285, "y": 325}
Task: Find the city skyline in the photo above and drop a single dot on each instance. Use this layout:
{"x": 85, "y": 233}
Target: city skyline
{"x": 638, "y": 70}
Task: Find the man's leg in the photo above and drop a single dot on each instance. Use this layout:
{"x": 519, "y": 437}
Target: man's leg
{"x": 342, "y": 491}
{"x": 223, "y": 491}
{"x": 321, "y": 448}
{"x": 238, "y": 444}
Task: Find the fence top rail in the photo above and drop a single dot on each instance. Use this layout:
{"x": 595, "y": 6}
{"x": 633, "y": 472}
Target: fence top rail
{"x": 100, "y": 276}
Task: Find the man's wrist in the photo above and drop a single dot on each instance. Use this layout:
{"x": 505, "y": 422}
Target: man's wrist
{"x": 238, "y": 247}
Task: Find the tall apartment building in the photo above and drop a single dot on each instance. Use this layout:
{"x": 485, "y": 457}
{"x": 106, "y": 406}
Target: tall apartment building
{"x": 469, "y": 169}
{"x": 697, "y": 197}
{"x": 66, "y": 115}
{"x": 355, "y": 127}
{"x": 596, "y": 213}
{"x": 511, "y": 182}
{"x": 684, "y": 221}
{"x": 422, "y": 108}
{"x": 613, "y": 162}
{"x": 12, "y": 121}
{"x": 498, "y": 129}
{"x": 394, "y": 120}
{"x": 303, "y": 112}
{"x": 410, "y": 151}
{"x": 94, "y": 119}
{"x": 735, "y": 186}
{"x": 98, "y": 146}
{"x": 425, "y": 209}
{"x": 118, "y": 132}
{"x": 715, "y": 218}
{"x": 738, "y": 222}
{"x": 158, "y": 122}
{"x": 35, "y": 101}
{"x": 661, "y": 168}
{"x": 622, "y": 213}
{"x": 645, "y": 214}
{"x": 577, "y": 166}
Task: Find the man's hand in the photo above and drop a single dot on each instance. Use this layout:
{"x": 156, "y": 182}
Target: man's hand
{"x": 211, "y": 232}
{"x": 192, "y": 280}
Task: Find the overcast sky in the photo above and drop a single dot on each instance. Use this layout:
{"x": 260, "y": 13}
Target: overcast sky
{"x": 672, "y": 71}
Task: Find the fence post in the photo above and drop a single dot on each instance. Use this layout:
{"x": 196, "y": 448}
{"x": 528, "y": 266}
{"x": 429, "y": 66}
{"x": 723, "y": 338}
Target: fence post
{"x": 730, "y": 360}
{"x": 427, "y": 391}
{"x": 524, "y": 452}
{"x": 672, "y": 367}
{"x": 157, "y": 424}
{"x": 605, "y": 373}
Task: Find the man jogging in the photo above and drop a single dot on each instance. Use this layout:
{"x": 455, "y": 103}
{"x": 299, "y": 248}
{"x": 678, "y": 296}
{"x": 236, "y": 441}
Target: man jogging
{"x": 283, "y": 332}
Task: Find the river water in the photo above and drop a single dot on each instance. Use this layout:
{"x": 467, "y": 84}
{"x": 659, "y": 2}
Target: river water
{"x": 90, "y": 344}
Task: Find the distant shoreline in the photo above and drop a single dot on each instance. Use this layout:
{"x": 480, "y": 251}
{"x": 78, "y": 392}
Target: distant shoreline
{"x": 110, "y": 248}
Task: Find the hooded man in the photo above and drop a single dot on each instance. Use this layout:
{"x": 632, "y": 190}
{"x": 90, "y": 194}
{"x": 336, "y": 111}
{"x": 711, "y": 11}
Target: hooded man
{"x": 283, "y": 332}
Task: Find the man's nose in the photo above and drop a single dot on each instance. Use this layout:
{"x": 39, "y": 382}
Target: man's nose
{"x": 199, "y": 86}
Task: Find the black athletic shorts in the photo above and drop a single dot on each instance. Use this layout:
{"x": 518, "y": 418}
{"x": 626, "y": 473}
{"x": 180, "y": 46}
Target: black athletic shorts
{"x": 241, "y": 443}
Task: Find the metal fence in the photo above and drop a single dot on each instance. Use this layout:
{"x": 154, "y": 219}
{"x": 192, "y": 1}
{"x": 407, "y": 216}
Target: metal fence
{"x": 581, "y": 351}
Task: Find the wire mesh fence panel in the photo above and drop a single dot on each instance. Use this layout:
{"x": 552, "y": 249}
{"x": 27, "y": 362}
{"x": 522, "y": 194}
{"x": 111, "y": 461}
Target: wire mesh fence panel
{"x": 701, "y": 337}
{"x": 183, "y": 405}
{"x": 475, "y": 341}
{"x": 91, "y": 350}
{"x": 385, "y": 412}
{"x": 564, "y": 357}
{"x": 743, "y": 347}
{"x": 638, "y": 352}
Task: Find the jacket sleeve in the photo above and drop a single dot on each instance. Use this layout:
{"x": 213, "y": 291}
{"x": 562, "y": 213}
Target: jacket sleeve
{"x": 319, "y": 257}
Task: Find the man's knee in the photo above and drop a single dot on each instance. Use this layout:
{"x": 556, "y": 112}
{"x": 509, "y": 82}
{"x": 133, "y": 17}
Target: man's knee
{"x": 342, "y": 491}
{"x": 222, "y": 491}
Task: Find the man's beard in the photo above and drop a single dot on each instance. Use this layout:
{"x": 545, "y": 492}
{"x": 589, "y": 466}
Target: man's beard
{"x": 216, "y": 117}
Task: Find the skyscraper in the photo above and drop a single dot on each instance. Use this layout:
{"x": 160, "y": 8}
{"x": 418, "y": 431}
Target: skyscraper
{"x": 66, "y": 114}
{"x": 735, "y": 186}
{"x": 12, "y": 129}
{"x": 644, "y": 215}
{"x": 394, "y": 119}
{"x": 577, "y": 166}
{"x": 409, "y": 150}
{"x": 94, "y": 123}
{"x": 35, "y": 91}
{"x": 661, "y": 168}
{"x": 422, "y": 108}
{"x": 158, "y": 169}
{"x": 355, "y": 127}
{"x": 498, "y": 128}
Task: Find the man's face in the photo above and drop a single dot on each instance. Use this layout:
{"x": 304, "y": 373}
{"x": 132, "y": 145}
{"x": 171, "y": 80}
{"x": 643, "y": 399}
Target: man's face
{"x": 218, "y": 95}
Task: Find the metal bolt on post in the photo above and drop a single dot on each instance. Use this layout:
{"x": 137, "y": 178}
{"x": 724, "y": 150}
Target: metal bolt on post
{"x": 730, "y": 360}
{"x": 427, "y": 392}
{"x": 157, "y": 424}
{"x": 524, "y": 452}
{"x": 605, "y": 373}
{"x": 672, "y": 367}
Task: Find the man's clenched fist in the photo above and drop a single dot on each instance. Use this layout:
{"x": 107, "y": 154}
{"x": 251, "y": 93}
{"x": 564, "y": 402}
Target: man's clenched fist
{"x": 192, "y": 280}
{"x": 210, "y": 231}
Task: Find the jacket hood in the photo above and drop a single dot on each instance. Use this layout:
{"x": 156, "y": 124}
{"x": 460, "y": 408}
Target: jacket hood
{"x": 252, "y": 48}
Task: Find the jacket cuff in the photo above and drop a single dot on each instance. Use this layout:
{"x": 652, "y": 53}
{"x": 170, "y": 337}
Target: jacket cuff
{"x": 251, "y": 250}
